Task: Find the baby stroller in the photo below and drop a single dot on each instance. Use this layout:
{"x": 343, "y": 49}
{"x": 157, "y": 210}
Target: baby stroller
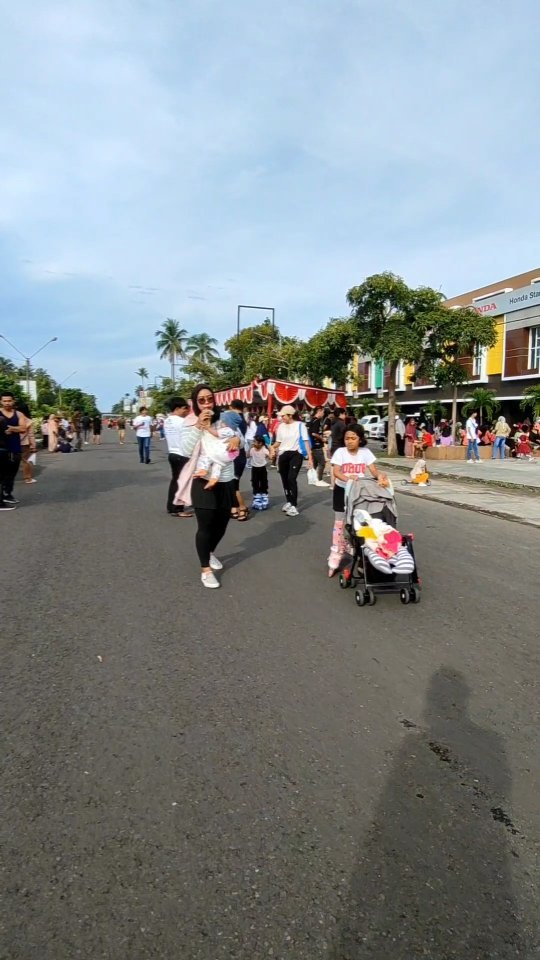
{"x": 366, "y": 501}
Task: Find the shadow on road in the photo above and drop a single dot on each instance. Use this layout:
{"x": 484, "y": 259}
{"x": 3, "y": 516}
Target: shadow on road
{"x": 434, "y": 877}
{"x": 271, "y": 537}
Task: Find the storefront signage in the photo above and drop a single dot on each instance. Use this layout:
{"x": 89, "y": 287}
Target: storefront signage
{"x": 507, "y": 302}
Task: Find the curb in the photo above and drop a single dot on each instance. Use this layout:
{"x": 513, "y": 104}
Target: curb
{"x": 513, "y": 518}
{"x": 503, "y": 484}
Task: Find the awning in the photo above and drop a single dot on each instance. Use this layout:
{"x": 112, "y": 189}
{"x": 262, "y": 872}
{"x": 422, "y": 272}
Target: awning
{"x": 281, "y": 391}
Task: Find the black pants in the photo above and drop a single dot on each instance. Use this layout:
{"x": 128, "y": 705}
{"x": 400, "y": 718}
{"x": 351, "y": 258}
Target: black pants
{"x": 259, "y": 480}
{"x": 319, "y": 461}
{"x": 400, "y": 442}
{"x": 211, "y": 527}
{"x": 176, "y": 463}
{"x": 9, "y": 468}
{"x": 239, "y": 467}
{"x": 290, "y": 463}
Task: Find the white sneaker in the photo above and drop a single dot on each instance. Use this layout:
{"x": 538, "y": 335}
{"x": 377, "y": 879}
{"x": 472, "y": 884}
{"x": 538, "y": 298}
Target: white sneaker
{"x": 292, "y": 512}
{"x": 215, "y": 563}
{"x": 209, "y": 580}
{"x": 470, "y": 461}
{"x": 322, "y": 483}
{"x": 286, "y": 507}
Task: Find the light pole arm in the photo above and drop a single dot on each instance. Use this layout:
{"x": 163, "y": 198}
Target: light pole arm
{"x": 14, "y": 347}
{"x": 42, "y": 348}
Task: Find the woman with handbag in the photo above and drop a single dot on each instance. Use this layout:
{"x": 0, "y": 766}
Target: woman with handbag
{"x": 292, "y": 447}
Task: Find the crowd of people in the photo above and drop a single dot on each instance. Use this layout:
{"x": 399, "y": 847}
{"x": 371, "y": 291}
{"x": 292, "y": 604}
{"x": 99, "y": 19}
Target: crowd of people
{"x": 519, "y": 440}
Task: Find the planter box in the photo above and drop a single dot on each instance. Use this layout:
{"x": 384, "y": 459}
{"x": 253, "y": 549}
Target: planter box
{"x": 455, "y": 453}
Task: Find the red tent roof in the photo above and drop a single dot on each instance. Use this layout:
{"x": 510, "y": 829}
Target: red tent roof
{"x": 282, "y": 391}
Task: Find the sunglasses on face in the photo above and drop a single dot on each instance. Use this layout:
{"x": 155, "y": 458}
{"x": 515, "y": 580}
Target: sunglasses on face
{"x": 205, "y": 400}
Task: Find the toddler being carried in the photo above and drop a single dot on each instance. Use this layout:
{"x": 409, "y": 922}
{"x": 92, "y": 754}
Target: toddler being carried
{"x": 215, "y": 455}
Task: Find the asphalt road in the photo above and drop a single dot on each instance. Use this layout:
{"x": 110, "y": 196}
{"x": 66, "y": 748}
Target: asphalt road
{"x": 264, "y": 770}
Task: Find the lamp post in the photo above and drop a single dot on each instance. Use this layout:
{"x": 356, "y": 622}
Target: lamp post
{"x": 61, "y": 385}
{"x": 26, "y": 358}
{"x": 248, "y": 306}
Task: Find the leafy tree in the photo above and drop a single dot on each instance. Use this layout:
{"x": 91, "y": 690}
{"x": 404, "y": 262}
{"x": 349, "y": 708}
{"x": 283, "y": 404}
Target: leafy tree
{"x": 482, "y": 399}
{"x": 143, "y": 375}
{"x": 531, "y": 400}
{"x": 72, "y": 399}
{"x": 451, "y": 342}
{"x": 390, "y": 322}
{"x": 11, "y": 384}
{"x": 201, "y": 346}
{"x": 364, "y": 408}
{"x": 7, "y": 367}
{"x": 171, "y": 340}
{"x": 241, "y": 349}
{"x": 329, "y": 352}
{"x": 435, "y": 410}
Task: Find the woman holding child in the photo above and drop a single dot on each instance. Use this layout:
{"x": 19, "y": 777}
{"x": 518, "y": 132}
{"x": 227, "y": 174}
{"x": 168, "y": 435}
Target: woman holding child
{"x": 212, "y": 495}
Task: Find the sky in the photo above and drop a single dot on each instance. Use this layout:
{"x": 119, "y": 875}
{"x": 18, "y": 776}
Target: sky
{"x": 174, "y": 158}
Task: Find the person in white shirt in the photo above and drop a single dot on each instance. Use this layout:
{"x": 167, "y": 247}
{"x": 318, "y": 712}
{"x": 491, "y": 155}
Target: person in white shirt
{"x": 292, "y": 445}
{"x": 350, "y": 462}
{"x": 471, "y": 432}
{"x": 172, "y": 427}
{"x": 143, "y": 428}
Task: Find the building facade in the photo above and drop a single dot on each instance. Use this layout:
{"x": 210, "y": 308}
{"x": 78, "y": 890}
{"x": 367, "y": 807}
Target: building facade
{"x": 508, "y": 368}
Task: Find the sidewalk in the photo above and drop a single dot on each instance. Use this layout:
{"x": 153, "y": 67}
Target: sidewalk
{"x": 502, "y": 473}
{"x": 520, "y": 505}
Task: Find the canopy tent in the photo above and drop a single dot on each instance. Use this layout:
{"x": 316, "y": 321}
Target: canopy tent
{"x": 281, "y": 392}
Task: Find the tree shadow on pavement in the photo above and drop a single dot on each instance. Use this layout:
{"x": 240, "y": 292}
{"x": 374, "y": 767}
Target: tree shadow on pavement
{"x": 83, "y": 486}
{"x": 433, "y": 879}
{"x": 270, "y": 537}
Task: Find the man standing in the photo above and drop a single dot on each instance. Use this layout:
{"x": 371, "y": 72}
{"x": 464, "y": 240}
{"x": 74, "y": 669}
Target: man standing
{"x": 471, "y": 428}
{"x": 86, "y": 423}
{"x": 315, "y": 430}
{"x": 338, "y": 431}
{"x": 400, "y": 436}
{"x": 143, "y": 428}
{"x": 172, "y": 426}
{"x": 121, "y": 424}
{"x": 77, "y": 430}
{"x": 12, "y": 425}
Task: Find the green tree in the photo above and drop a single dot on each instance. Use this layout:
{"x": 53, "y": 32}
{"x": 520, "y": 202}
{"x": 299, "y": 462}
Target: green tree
{"x": 7, "y": 367}
{"x": 242, "y": 347}
{"x": 142, "y": 374}
{"x": 364, "y": 408}
{"x": 201, "y": 346}
{"x": 482, "y": 400}
{"x": 171, "y": 340}
{"x": 531, "y": 400}
{"x": 451, "y": 342}
{"x": 329, "y": 352}
{"x": 435, "y": 410}
{"x": 391, "y": 321}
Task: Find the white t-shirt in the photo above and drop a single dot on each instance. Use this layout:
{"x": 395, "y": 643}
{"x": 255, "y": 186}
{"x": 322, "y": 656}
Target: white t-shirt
{"x": 259, "y": 457}
{"x": 470, "y": 429}
{"x": 143, "y": 426}
{"x": 353, "y": 465}
{"x": 172, "y": 426}
{"x": 288, "y": 436}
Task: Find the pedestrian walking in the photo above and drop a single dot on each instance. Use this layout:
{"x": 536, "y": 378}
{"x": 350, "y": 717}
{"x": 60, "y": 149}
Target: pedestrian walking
{"x": 502, "y": 432}
{"x": 400, "y": 436}
{"x": 96, "y": 428}
{"x": 410, "y": 437}
{"x": 121, "y": 427}
{"x": 316, "y": 436}
{"x": 13, "y": 424}
{"x": 28, "y": 445}
{"x": 213, "y": 504}
{"x": 86, "y": 423}
{"x": 349, "y": 462}
{"x": 292, "y": 446}
{"x": 54, "y": 424}
{"x": 471, "y": 432}
{"x": 260, "y": 455}
{"x": 76, "y": 424}
{"x": 234, "y": 418}
{"x": 142, "y": 425}
{"x": 172, "y": 426}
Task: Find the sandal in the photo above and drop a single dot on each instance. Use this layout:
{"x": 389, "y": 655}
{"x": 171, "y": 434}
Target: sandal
{"x": 243, "y": 514}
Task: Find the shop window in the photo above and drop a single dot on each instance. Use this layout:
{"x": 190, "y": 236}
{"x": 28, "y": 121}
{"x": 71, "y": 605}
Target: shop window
{"x": 534, "y": 348}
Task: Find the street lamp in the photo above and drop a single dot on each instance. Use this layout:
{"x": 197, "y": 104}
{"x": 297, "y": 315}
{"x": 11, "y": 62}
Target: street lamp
{"x": 60, "y": 385}
{"x": 247, "y": 306}
{"x": 28, "y": 359}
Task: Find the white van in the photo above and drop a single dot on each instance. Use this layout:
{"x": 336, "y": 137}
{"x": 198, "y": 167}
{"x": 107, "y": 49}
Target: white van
{"x": 370, "y": 423}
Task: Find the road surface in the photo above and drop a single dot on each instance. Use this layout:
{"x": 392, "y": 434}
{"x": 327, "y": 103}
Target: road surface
{"x": 264, "y": 770}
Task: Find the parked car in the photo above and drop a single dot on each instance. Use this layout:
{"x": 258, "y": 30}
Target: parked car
{"x": 370, "y": 423}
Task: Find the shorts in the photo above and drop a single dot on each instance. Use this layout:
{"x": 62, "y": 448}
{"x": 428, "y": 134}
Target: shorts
{"x": 338, "y": 499}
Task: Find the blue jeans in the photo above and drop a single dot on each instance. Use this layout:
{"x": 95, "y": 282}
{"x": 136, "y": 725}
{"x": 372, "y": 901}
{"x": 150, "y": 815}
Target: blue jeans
{"x": 499, "y": 444}
{"x": 144, "y": 449}
{"x": 472, "y": 448}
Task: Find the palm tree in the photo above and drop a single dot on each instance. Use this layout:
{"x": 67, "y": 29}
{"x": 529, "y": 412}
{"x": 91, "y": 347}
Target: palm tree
{"x": 531, "y": 400}
{"x": 364, "y": 408}
{"x": 171, "y": 340}
{"x": 435, "y": 409}
{"x": 482, "y": 399}
{"x": 143, "y": 374}
{"x": 202, "y": 347}
{"x": 7, "y": 367}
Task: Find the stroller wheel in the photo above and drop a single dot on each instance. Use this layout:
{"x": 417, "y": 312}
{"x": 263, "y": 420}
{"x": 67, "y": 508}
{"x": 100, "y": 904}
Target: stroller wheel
{"x": 371, "y": 598}
{"x": 404, "y": 483}
{"x": 343, "y": 581}
{"x": 404, "y": 596}
{"x": 360, "y": 598}
{"x": 415, "y": 594}
{"x": 428, "y": 483}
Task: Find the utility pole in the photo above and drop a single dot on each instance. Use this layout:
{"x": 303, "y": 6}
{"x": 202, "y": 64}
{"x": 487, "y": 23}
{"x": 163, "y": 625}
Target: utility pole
{"x": 26, "y": 358}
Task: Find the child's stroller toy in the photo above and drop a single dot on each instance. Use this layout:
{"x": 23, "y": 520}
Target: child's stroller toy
{"x": 382, "y": 560}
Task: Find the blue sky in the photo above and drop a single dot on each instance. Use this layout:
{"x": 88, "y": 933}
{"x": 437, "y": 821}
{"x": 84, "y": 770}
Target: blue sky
{"x": 178, "y": 157}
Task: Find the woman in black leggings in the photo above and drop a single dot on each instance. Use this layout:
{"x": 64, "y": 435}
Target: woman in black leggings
{"x": 292, "y": 445}
{"x": 213, "y": 506}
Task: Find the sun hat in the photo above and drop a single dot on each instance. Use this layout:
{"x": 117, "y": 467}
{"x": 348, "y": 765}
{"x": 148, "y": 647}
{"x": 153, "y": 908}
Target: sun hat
{"x": 288, "y": 410}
